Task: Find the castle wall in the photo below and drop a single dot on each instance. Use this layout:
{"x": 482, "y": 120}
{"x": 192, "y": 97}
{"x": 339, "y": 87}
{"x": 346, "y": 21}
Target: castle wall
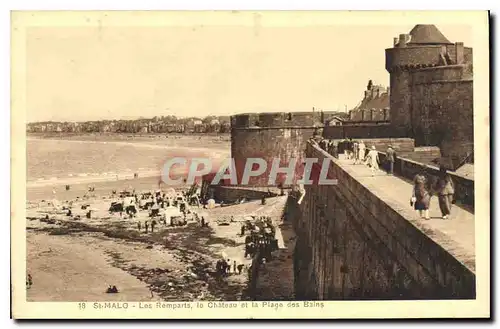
{"x": 276, "y": 120}
{"x": 362, "y": 131}
{"x": 400, "y": 101}
{"x": 431, "y": 96}
{"x": 230, "y": 194}
{"x": 269, "y": 136}
{"x": 402, "y": 146}
{"x": 428, "y": 55}
{"x": 442, "y": 102}
{"x": 353, "y": 245}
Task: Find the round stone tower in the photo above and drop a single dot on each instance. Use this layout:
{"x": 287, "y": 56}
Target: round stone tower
{"x": 271, "y": 136}
{"x": 422, "y": 47}
{"x": 431, "y": 90}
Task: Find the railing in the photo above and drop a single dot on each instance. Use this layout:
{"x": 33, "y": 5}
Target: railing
{"x": 406, "y": 168}
{"x": 469, "y": 158}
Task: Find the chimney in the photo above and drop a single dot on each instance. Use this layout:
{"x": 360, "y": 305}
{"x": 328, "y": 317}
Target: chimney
{"x": 402, "y": 40}
{"x": 378, "y": 92}
{"x": 386, "y": 114}
{"x": 395, "y": 41}
{"x": 459, "y": 52}
{"x": 366, "y": 94}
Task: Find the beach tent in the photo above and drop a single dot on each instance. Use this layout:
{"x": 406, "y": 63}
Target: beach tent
{"x": 170, "y": 212}
{"x": 224, "y": 255}
{"x": 211, "y": 204}
{"x": 171, "y": 192}
{"x": 56, "y": 204}
{"x": 129, "y": 201}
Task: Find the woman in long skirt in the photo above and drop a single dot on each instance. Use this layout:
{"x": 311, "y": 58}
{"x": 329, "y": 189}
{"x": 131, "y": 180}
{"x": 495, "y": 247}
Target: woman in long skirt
{"x": 421, "y": 195}
{"x": 373, "y": 159}
{"x": 445, "y": 191}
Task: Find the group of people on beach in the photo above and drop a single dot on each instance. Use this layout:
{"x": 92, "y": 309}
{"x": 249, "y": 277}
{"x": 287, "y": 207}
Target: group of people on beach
{"x": 224, "y": 267}
{"x": 260, "y": 239}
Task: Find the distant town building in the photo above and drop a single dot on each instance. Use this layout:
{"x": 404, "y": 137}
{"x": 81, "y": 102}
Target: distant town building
{"x": 335, "y": 121}
{"x": 374, "y": 106}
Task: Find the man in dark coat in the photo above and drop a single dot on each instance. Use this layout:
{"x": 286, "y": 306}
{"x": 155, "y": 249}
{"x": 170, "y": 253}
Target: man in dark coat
{"x": 390, "y": 158}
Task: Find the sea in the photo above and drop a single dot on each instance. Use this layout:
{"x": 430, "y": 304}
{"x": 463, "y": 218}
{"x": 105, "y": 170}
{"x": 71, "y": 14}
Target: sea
{"x": 57, "y": 162}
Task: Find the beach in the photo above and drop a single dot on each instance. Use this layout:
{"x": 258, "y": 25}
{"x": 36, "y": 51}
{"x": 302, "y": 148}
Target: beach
{"x": 97, "y": 159}
{"x": 75, "y": 258}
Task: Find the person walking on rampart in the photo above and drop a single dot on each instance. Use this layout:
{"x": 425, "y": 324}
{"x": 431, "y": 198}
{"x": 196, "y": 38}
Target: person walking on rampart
{"x": 349, "y": 148}
{"x": 373, "y": 160}
{"x": 361, "y": 151}
{"x": 421, "y": 197}
{"x": 445, "y": 190}
{"x": 355, "y": 149}
{"x": 390, "y": 158}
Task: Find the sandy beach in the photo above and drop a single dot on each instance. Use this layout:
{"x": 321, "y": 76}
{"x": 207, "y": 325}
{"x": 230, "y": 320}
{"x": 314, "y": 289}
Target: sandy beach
{"x": 73, "y": 259}
{"x": 76, "y": 260}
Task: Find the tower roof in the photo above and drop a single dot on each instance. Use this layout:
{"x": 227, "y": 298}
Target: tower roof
{"x": 427, "y": 35}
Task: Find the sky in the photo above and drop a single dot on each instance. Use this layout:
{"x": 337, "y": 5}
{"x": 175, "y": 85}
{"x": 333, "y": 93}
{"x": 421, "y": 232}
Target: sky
{"x": 120, "y": 72}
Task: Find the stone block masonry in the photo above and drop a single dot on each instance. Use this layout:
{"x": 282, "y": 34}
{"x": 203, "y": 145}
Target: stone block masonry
{"x": 355, "y": 242}
{"x": 431, "y": 83}
{"x": 269, "y": 136}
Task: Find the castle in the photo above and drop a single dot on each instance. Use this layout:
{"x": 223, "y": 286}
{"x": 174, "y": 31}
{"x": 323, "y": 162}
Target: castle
{"x": 430, "y": 98}
{"x": 431, "y": 91}
{"x": 269, "y": 136}
{"x": 360, "y": 239}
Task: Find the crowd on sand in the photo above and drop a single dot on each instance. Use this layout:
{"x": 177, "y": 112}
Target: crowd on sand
{"x": 171, "y": 208}
{"x": 425, "y": 185}
{"x": 177, "y": 208}
{"x": 260, "y": 242}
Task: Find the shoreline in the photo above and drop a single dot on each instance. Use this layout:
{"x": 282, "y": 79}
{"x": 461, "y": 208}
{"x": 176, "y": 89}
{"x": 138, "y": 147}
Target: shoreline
{"x": 210, "y": 140}
{"x": 102, "y": 188}
{"x": 188, "y": 147}
{"x": 87, "y": 179}
{"x": 75, "y": 260}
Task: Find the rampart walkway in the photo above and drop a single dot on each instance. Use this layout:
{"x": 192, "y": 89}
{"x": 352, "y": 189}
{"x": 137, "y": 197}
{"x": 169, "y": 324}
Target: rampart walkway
{"x": 397, "y": 193}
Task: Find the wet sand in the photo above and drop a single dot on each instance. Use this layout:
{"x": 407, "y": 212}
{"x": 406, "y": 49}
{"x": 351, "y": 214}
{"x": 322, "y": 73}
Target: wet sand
{"x": 102, "y": 189}
{"x": 75, "y": 260}
{"x": 65, "y": 271}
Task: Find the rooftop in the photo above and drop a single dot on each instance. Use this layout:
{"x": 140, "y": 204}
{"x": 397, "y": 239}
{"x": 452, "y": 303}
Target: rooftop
{"x": 380, "y": 102}
{"x": 427, "y": 35}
